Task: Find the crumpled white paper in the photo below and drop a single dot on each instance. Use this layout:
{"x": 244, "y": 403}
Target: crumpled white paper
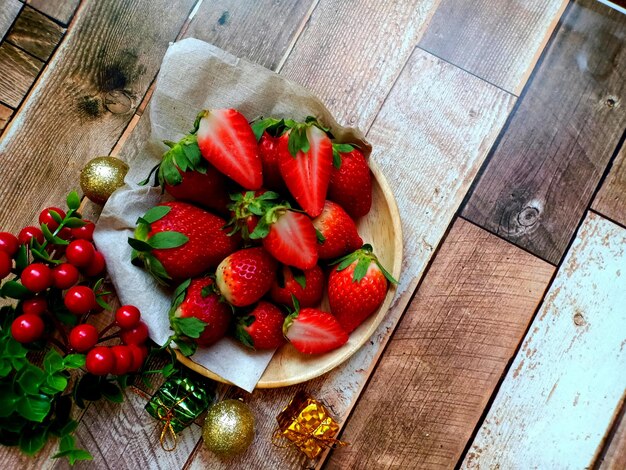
{"x": 195, "y": 75}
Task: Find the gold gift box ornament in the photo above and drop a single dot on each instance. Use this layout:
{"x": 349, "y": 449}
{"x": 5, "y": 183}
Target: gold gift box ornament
{"x": 308, "y": 425}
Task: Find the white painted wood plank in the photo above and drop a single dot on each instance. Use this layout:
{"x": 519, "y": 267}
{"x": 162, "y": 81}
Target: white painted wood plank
{"x": 564, "y": 386}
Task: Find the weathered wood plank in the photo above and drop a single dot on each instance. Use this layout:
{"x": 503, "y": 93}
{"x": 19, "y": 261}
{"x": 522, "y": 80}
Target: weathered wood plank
{"x": 261, "y": 33}
{"x": 350, "y": 53}
{"x": 546, "y": 167}
{"x": 115, "y": 49}
{"x": 5, "y": 116}
{"x": 60, "y": 10}
{"x": 447, "y": 354}
{"x": 566, "y": 384}
{"x": 35, "y": 33}
{"x": 451, "y": 142}
{"x": 615, "y": 456}
{"x": 18, "y": 72}
{"x": 9, "y": 9}
{"x": 499, "y": 47}
{"x": 611, "y": 199}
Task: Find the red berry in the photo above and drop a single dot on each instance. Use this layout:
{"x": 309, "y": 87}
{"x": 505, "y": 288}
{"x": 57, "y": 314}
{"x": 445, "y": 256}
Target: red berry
{"x": 29, "y": 232}
{"x": 123, "y": 360}
{"x": 80, "y": 253}
{"x": 137, "y": 335}
{"x": 96, "y": 266}
{"x": 6, "y": 264}
{"x": 36, "y": 277}
{"x": 46, "y": 218}
{"x": 9, "y": 243}
{"x": 64, "y": 276}
{"x": 100, "y": 361}
{"x": 127, "y": 317}
{"x": 65, "y": 233}
{"x": 27, "y": 328}
{"x": 83, "y": 337}
{"x": 35, "y": 306}
{"x": 85, "y": 232}
{"x": 139, "y": 354}
{"x": 80, "y": 299}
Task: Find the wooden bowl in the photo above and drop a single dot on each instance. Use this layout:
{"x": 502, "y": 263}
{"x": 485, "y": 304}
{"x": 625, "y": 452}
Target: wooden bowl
{"x": 382, "y": 229}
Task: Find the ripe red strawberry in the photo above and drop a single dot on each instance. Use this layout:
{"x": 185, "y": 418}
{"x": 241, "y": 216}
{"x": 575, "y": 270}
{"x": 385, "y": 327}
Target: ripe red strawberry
{"x": 306, "y": 286}
{"x": 226, "y": 140}
{"x": 312, "y": 331}
{"x": 202, "y": 302}
{"x": 269, "y": 151}
{"x": 262, "y": 328}
{"x": 175, "y": 241}
{"x": 357, "y": 287}
{"x": 350, "y": 180}
{"x": 338, "y": 232}
{"x": 288, "y": 236}
{"x": 245, "y": 276}
{"x": 306, "y": 160}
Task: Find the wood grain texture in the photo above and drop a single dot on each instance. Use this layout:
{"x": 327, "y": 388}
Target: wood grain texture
{"x": 18, "y": 71}
{"x": 615, "y": 456}
{"x": 35, "y": 33}
{"x": 566, "y": 385}
{"x": 9, "y": 9}
{"x": 60, "y": 10}
{"x": 446, "y": 356}
{"x": 350, "y": 53}
{"x": 114, "y": 49}
{"x": 611, "y": 199}
{"x": 5, "y": 116}
{"x": 548, "y": 163}
{"x": 260, "y": 33}
{"x": 435, "y": 172}
{"x": 499, "y": 48}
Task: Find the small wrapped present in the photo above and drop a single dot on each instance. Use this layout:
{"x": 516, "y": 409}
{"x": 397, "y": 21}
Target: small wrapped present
{"x": 177, "y": 403}
{"x": 308, "y": 425}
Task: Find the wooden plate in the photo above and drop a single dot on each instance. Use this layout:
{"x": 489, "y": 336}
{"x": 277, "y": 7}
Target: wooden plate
{"x": 382, "y": 229}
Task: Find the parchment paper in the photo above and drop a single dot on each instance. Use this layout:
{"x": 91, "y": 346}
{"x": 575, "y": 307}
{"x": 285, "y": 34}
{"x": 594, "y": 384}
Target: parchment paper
{"x": 194, "y": 76}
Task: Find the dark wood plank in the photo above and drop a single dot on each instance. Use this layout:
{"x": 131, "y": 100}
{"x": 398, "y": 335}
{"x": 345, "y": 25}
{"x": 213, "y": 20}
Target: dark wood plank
{"x": 611, "y": 199}
{"x": 5, "y": 116}
{"x": 9, "y": 9}
{"x": 35, "y": 33}
{"x": 446, "y": 356}
{"x": 18, "y": 72}
{"x": 261, "y": 33}
{"x": 615, "y": 456}
{"x": 499, "y": 47}
{"x": 548, "y": 163}
{"x": 60, "y": 10}
{"x": 115, "y": 46}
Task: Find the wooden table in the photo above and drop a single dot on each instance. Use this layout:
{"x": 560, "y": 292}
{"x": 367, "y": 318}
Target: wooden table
{"x": 499, "y": 125}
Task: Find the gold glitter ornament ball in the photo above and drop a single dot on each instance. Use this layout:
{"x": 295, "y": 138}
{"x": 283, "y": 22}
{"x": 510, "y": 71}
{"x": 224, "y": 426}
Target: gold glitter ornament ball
{"x": 101, "y": 176}
{"x": 229, "y": 428}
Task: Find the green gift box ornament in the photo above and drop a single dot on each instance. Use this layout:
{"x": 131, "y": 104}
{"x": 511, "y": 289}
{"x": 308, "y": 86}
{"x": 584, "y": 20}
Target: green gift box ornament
{"x": 177, "y": 403}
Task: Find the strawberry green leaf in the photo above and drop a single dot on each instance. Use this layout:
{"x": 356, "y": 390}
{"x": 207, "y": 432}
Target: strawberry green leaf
{"x": 299, "y": 277}
{"x": 192, "y": 152}
{"x": 179, "y": 295}
{"x": 242, "y": 335}
{"x": 361, "y": 268}
{"x": 261, "y": 230}
{"x": 386, "y": 273}
{"x": 336, "y": 159}
{"x": 345, "y": 263}
{"x": 139, "y": 245}
{"x": 74, "y": 222}
{"x": 156, "y": 268}
{"x": 298, "y": 141}
{"x": 191, "y": 327}
{"x": 186, "y": 348}
{"x": 272, "y": 125}
{"x": 343, "y": 148}
{"x": 14, "y": 290}
{"x": 73, "y": 201}
{"x": 156, "y": 213}
{"x": 165, "y": 240}
{"x": 320, "y": 236}
{"x": 154, "y": 170}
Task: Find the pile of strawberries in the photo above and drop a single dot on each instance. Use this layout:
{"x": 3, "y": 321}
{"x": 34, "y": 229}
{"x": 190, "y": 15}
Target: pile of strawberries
{"x": 57, "y": 278}
{"x": 262, "y": 226}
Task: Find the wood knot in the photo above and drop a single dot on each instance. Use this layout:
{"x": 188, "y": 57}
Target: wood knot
{"x": 528, "y": 216}
{"x": 118, "y": 102}
{"x": 611, "y": 102}
{"x": 579, "y": 320}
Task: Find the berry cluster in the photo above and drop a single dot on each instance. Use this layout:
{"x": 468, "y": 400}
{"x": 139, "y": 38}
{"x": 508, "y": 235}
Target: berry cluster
{"x": 58, "y": 280}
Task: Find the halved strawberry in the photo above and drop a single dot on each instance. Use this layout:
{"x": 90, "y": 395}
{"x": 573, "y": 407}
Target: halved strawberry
{"x": 337, "y": 232}
{"x": 312, "y": 331}
{"x": 350, "y": 180}
{"x": 262, "y": 328}
{"x": 226, "y": 140}
{"x": 306, "y": 286}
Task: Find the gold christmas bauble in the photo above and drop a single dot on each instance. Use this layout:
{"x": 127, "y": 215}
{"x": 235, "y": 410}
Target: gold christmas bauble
{"x": 228, "y": 428}
{"x": 101, "y": 176}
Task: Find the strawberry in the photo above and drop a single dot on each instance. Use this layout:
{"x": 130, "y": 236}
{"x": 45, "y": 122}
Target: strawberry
{"x": 202, "y": 302}
{"x": 357, "y": 287}
{"x": 350, "y": 180}
{"x": 269, "y": 151}
{"x": 245, "y": 276}
{"x": 227, "y": 142}
{"x": 247, "y": 207}
{"x": 306, "y": 160}
{"x": 262, "y": 328}
{"x": 306, "y": 286}
{"x": 337, "y": 232}
{"x": 312, "y": 331}
{"x": 175, "y": 240}
{"x": 288, "y": 236}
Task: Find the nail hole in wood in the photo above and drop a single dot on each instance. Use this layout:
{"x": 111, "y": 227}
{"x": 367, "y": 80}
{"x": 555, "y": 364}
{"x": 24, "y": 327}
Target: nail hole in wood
{"x": 579, "y": 320}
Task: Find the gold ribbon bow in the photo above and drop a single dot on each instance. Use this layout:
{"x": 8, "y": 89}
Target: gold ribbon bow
{"x": 166, "y": 418}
